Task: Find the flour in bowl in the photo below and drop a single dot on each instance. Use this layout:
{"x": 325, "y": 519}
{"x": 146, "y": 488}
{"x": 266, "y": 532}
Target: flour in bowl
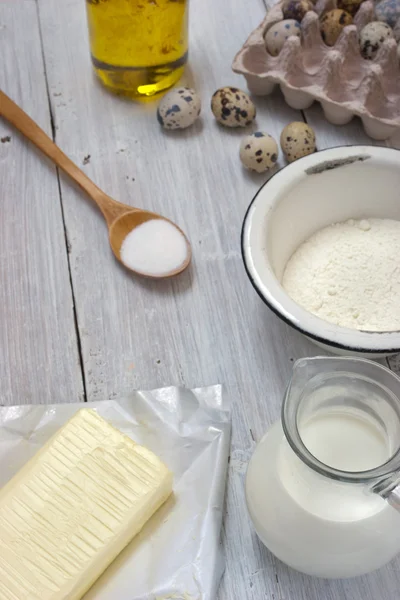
{"x": 349, "y": 274}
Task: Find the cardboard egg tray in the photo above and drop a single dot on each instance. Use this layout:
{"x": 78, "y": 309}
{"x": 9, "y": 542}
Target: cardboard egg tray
{"x": 345, "y": 83}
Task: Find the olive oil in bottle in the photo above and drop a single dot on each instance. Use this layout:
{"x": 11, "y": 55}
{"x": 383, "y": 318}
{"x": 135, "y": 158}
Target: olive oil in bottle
{"x": 138, "y": 47}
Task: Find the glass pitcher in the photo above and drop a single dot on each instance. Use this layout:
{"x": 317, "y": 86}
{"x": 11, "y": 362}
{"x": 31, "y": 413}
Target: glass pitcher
{"x": 323, "y": 485}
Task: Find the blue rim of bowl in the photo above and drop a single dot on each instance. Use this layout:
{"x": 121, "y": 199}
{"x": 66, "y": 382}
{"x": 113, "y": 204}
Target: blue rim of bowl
{"x": 308, "y": 334}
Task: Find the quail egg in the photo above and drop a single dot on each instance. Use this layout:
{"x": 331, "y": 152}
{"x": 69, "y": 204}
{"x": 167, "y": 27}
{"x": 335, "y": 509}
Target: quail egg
{"x": 233, "y": 107}
{"x": 372, "y": 37}
{"x": 350, "y": 6}
{"x": 332, "y": 25}
{"x": 388, "y": 11}
{"x": 277, "y": 35}
{"x": 179, "y": 109}
{"x": 259, "y": 151}
{"x": 297, "y": 140}
{"x": 296, "y": 9}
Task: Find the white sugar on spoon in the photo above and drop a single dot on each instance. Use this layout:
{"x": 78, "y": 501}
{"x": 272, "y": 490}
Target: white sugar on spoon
{"x": 155, "y": 248}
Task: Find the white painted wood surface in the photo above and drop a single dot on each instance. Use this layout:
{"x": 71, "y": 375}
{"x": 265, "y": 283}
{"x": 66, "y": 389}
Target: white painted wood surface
{"x": 38, "y": 344}
{"x": 206, "y": 326}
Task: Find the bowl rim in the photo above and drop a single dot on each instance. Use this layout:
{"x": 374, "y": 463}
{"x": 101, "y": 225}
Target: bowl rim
{"x": 371, "y": 339}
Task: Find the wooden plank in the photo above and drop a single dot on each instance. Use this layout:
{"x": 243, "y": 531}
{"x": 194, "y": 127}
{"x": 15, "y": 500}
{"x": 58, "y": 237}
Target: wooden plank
{"x": 208, "y": 325}
{"x": 38, "y": 344}
{"x": 137, "y": 333}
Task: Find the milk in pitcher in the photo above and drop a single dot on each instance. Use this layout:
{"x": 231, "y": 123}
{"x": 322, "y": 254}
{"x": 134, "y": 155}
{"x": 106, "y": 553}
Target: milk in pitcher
{"x": 310, "y": 494}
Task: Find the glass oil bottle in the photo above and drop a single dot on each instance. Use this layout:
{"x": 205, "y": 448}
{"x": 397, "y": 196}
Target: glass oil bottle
{"x": 138, "y": 47}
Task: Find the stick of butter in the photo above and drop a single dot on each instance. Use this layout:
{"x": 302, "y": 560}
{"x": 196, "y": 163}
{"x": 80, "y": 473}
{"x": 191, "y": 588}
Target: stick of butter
{"x": 73, "y": 507}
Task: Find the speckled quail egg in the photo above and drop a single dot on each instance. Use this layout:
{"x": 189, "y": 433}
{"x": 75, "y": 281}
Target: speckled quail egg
{"x": 277, "y": 35}
{"x": 388, "y": 11}
{"x": 233, "y": 107}
{"x": 372, "y": 37}
{"x": 297, "y": 140}
{"x": 179, "y": 108}
{"x": 296, "y": 9}
{"x": 350, "y": 6}
{"x": 259, "y": 151}
{"x": 332, "y": 25}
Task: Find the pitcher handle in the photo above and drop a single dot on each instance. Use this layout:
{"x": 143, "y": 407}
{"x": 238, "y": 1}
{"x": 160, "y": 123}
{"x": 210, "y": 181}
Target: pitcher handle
{"x": 389, "y": 490}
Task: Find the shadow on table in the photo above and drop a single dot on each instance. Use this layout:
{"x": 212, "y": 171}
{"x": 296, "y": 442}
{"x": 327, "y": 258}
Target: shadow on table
{"x": 285, "y": 582}
{"x": 181, "y": 284}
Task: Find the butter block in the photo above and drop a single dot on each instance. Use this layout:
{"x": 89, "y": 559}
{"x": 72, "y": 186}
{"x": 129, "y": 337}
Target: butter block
{"x": 73, "y": 507}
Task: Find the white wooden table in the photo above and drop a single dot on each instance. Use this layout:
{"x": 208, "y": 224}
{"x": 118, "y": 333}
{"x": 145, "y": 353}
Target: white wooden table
{"x": 75, "y": 326}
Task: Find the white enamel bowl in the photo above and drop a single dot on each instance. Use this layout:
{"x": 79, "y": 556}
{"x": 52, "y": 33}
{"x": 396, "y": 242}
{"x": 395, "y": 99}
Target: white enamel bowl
{"x": 348, "y": 182}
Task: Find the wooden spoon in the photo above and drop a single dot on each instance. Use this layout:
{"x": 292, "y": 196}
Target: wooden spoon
{"x": 121, "y": 219}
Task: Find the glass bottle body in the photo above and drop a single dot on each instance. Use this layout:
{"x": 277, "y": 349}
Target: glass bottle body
{"x": 138, "y": 47}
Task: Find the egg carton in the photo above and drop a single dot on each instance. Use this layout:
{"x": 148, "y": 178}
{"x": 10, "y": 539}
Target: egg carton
{"x": 345, "y": 83}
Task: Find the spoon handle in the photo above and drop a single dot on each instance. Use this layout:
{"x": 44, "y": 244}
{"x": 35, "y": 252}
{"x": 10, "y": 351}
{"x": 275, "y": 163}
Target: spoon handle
{"x": 17, "y": 117}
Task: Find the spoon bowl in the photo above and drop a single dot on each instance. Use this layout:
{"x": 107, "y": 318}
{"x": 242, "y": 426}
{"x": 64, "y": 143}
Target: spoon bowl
{"x": 121, "y": 219}
{"x": 122, "y": 226}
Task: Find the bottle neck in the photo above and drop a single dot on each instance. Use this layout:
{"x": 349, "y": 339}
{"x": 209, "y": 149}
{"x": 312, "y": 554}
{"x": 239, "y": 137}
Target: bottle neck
{"x": 345, "y": 389}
